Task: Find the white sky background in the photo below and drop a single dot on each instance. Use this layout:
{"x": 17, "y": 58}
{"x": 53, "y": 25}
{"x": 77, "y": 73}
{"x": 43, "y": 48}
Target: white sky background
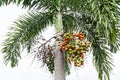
{"x": 26, "y": 71}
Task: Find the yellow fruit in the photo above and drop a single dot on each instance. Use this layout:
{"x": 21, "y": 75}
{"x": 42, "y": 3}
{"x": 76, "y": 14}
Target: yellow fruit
{"x": 87, "y": 42}
{"x": 70, "y": 52}
{"x": 78, "y": 41}
{"x": 67, "y": 33}
{"x": 74, "y": 59}
{"x": 82, "y": 44}
{"x": 81, "y": 59}
{"x": 70, "y": 49}
{"x": 78, "y": 65}
{"x": 81, "y": 48}
{"x": 82, "y": 51}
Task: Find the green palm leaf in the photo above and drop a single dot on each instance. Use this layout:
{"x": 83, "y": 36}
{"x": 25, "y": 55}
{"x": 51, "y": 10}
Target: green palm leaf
{"x": 24, "y": 32}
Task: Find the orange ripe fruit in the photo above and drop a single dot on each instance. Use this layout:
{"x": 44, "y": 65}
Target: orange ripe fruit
{"x": 77, "y": 49}
{"x": 64, "y": 43}
{"x": 63, "y": 47}
{"x": 75, "y": 63}
{"x": 80, "y": 38}
{"x": 66, "y": 49}
{"x": 82, "y": 55}
{"x": 71, "y": 39}
{"x": 81, "y": 35}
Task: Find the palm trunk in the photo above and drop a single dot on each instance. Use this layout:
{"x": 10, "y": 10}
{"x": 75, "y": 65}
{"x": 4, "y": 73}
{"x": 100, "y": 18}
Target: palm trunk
{"x": 59, "y": 56}
{"x": 59, "y": 65}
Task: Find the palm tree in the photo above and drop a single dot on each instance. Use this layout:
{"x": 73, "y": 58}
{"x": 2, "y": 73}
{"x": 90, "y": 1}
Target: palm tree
{"x": 98, "y": 19}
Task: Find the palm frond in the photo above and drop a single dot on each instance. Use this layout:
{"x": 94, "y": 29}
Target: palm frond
{"x": 73, "y": 5}
{"x": 23, "y": 2}
{"x": 102, "y": 57}
{"x": 36, "y": 4}
{"x": 106, "y": 14}
{"x": 102, "y": 46}
{"x": 103, "y": 62}
{"x": 45, "y": 4}
{"x": 23, "y": 33}
{"x": 69, "y": 22}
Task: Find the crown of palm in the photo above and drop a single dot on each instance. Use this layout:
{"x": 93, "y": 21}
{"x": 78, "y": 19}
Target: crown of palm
{"x": 98, "y": 19}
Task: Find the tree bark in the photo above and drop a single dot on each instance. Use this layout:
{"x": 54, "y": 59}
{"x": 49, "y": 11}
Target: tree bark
{"x": 59, "y": 64}
{"x": 59, "y": 55}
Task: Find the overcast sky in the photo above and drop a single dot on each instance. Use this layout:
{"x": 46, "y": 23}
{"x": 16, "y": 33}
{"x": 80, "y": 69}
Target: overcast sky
{"x": 26, "y": 71}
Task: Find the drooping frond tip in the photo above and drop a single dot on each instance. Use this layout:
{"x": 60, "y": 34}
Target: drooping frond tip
{"x": 25, "y": 29}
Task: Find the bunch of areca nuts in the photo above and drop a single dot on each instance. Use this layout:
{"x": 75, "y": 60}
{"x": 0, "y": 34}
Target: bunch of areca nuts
{"x": 75, "y": 47}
